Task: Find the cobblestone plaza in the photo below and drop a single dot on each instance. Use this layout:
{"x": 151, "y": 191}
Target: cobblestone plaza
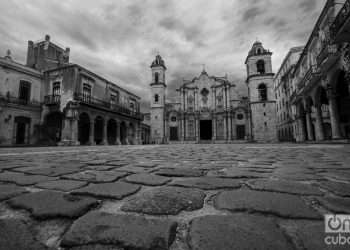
{"x": 238, "y": 196}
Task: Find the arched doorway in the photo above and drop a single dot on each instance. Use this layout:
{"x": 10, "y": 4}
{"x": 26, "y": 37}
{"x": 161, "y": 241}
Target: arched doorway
{"x": 322, "y": 104}
{"x": 112, "y": 132}
{"x": 123, "y": 133}
{"x": 343, "y": 104}
{"x": 84, "y": 128}
{"x": 22, "y": 125}
{"x": 131, "y": 133}
{"x": 98, "y": 130}
{"x": 53, "y": 124}
{"x": 302, "y": 121}
{"x": 310, "y": 107}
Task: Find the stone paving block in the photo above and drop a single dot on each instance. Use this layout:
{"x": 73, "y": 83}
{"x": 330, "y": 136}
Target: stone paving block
{"x": 52, "y": 170}
{"x": 339, "y": 188}
{"x": 179, "y": 172}
{"x": 127, "y": 231}
{"x": 61, "y": 185}
{"x": 207, "y": 183}
{"x": 165, "y": 200}
{"x": 24, "y": 179}
{"x": 284, "y": 205}
{"x": 148, "y": 179}
{"x": 115, "y": 190}
{"x": 215, "y": 232}
{"x": 133, "y": 169}
{"x": 336, "y": 204}
{"x": 50, "y": 204}
{"x": 236, "y": 173}
{"x": 16, "y": 235}
{"x": 9, "y": 190}
{"x": 285, "y": 186}
{"x": 146, "y": 164}
{"x": 96, "y": 176}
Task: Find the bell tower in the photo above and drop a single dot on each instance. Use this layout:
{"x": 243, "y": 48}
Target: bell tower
{"x": 158, "y": 89}
{"x": 261, "y": 94}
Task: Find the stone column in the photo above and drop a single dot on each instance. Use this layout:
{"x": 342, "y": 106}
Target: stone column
{"x": 333, "y": 112}
{"x": 301, "y": 128}
{"x": 92, "y": 133}
{"x": 319, "y": 124}
{"x": 197, "y": 129}
{"x": 233, "y": 128}
{"x": 214, "y": 128}
{"x": 225, "y": 127}
{"x": 309, "y": 126}
{"x": 104, "y": 136}
{"x": 229, "y": 127}
{"x": 138, "y": 134}
{"x": 117, "y": 142}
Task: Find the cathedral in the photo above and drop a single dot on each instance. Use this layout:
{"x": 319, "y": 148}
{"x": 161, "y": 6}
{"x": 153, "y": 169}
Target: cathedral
{"x": 209, "y": 108}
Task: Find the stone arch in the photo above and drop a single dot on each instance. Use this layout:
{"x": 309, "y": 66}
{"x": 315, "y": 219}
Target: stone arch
{"x": 84, "y": 128}
{"x": 53, "y": 125}
{"x": 262, "y": 90}
{"x": 99, "y": 130}
{"x": 123, "y": 133}
{"x": 342, "y": 90}
{"x": 260, "y": 66}
{"x": 131, "y": 133}
{"x": 112, "y": 131}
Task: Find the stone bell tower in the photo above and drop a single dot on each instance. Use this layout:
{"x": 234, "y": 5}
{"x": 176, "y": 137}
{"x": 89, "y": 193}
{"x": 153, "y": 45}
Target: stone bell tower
{"x": 158, "y": 88}
{"x": 261, "y": 94}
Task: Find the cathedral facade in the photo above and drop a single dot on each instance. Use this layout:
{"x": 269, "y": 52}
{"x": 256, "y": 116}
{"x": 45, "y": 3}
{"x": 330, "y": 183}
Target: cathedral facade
{"x": 209, "y": 108}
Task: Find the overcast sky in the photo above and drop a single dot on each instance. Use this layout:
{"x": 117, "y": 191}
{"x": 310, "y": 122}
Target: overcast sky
{"x": 118, "y": 39}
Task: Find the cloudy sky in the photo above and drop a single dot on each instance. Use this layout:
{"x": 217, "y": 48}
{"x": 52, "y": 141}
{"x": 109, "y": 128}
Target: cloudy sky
{"x": 119, "y": 38}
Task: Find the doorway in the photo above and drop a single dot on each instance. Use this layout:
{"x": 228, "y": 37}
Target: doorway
{"x": 206, "y": 132}
{"x": 22, "y": 129}
{"x": 173, "y": 134}
{"x": 240, "y": 129}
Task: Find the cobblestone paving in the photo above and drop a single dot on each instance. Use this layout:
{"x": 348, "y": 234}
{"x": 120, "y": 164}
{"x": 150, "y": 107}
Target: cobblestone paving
{"x": 177, "y": 197}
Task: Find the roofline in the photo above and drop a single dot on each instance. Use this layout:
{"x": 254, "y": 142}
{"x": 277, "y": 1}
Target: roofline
{"x": 17, "y": 66}
{"x": 291, "y": 50}
{"x": 94, "y": 74}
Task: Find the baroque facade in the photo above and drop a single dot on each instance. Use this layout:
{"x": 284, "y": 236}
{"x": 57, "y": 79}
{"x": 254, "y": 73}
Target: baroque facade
{"x": 321, "y": 94}
{"x": 209, "y": 108}
{"x": 52, "y": 101}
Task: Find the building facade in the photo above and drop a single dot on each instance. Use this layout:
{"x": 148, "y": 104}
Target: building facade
{"x": 262, "y": 103}
{"x": 51, "y": 101}
{"x": 209, "y": 108}
{"x": 283, "y": 87}
{"x": 320, "y": 99}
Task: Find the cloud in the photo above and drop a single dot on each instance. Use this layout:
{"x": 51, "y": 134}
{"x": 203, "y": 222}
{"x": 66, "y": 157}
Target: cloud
{"x": 119, "y": 39}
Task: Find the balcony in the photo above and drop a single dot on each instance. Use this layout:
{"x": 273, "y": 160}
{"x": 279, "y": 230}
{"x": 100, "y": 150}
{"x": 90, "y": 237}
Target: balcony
{"x": 340, "y": 28}
{"x": 327, "y": 56}
{"x": 109, "y": 106}
{"x": 18, "y": 101}
{"x": 311, "y": 75}
{"x": 52, "y": 99}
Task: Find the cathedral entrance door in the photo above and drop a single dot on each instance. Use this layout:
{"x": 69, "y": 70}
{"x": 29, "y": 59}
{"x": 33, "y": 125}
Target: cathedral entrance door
{"x": 206, "y": 132}
{"x": 173, "y": 134}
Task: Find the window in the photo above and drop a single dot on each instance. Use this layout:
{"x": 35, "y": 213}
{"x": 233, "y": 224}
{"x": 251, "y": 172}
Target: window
{"x": 24, "y": 91}
{"x": 132, "y": 106}
{"x": 114, "y": 97}
{"x": 259, "y": 51}
{"x": 156, "y": 117}
{"x": 240, "y": 117}
{"x": 156, "y": 77}
{"x": 56, "y": 88}
{"x": 262, "y": 92}
{"x": 86, "y": 92}
{"x": 156, "y": 98}
{"x": 260, "y": 66}
{"x": 173, "y": 119}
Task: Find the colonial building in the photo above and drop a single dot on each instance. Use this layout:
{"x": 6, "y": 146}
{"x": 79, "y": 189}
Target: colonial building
{"x": 283, "y": 87}
{"x": 321, "y": 96}
{"x": 52, "y": 101}
{"x": 209, "y": 109}
{"x": 262, "y": 103}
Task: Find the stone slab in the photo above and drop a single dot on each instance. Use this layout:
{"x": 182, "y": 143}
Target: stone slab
{"x": 165, "y": 200}
{"x": 24, "y": 179}
{"x": 336, "y": 204}
{"x": 285, "y": 186}
{"x": 9, "y": 190}
{"x": 16, "y": 235}
{"x": 96, "y": 176}
{"x": 61, "y": 185}
{"x": 50, "y": 204}
{"x": 284, "y": 205}
{"x": 127, "y": 231}
{"x": 52, "y": 170}
{"x": 239, "y": 232}
{"x": 339, "y": 188}
{"x": 207, "y": 183}
{"x": 115, "y": 190}
{"x": 148, "y": 179}
{"x": 179, "y": 172}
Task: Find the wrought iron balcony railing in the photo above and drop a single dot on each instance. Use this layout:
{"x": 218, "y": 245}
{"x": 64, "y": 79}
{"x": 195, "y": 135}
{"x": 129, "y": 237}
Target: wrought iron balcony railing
{"x": 327, "y": 50}
{"x": 313, "y": 71}
{"x": 87, "y": 99}
{"x": 52, "y": 99}
{"x": 341, "y": 18}
{"x": 19, "y": 101}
